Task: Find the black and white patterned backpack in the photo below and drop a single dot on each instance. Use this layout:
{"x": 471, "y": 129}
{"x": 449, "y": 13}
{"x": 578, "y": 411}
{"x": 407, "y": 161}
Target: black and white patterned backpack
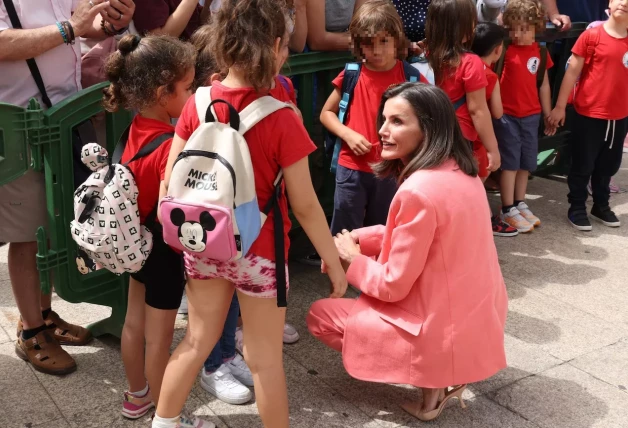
{"x": 106, "y": 221}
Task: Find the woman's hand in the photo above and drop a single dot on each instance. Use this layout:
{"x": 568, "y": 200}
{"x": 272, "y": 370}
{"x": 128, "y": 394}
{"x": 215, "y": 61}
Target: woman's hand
{"x": 119, "y": 13}
{"x": 82, "y": 19}
{"x": 347, "y": 246}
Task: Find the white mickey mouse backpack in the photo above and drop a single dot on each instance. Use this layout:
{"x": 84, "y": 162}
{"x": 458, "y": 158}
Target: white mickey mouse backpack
{"x": 106, "y": 223}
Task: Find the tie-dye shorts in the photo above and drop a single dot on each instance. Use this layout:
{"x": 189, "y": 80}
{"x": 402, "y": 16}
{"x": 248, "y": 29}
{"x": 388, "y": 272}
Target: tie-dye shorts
{"x": 252, "y": 275}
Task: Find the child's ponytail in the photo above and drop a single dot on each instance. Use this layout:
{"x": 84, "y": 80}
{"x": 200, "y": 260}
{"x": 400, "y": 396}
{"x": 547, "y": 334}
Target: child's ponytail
{"x": 140, "y": 66}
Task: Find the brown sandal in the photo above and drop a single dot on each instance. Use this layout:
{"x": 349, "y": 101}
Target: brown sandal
{"x": 64, "y": 332}
{"x": 45, "y": 354}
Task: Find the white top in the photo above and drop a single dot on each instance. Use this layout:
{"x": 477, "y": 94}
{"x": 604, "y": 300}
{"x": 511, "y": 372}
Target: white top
{"x": 60, "y": 67}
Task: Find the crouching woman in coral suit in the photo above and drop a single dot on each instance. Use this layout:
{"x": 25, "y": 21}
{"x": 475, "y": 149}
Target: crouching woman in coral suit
{"x": 433, "y": 304}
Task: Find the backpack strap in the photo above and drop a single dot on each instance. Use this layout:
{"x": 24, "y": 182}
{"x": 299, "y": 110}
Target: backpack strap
{"x": 119, "y": 150}
{"x": 460, "y": 102}
{"x": 499, "y": 67}
{"x": 262, "y": 107}
{"x": 349, "y": 82}
{"x": 150, "y": 147}
{"x": 540, "y": 73}
{"x": 412, "y": 74}
{"x": 203, "y": 100}
{"x": 592, "y": 40}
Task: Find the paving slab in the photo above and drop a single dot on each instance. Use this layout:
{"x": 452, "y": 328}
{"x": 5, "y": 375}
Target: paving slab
{"x": 58, "y": 423}
{"x": 566, "y": 396}
{"x": 609, "y": 364}
{"x": 4, "y": 336}
{"x": 23, "y": 400}
{"x": 558, "y": 328}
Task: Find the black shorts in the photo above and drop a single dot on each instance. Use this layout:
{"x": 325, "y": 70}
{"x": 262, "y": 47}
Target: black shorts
{"x": 163, "y": 275}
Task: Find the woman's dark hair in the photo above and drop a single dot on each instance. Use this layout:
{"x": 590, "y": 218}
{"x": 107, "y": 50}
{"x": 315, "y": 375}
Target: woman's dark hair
{"x": 142, "y": 65}
{"x": 376, "y": 16}
{"x": 442, "y": 137}
{"x": 244, "y": 34}
{"x": 488, "y": 36}
{"x": 205, "y": 61}
{"x": 449, "y": 30}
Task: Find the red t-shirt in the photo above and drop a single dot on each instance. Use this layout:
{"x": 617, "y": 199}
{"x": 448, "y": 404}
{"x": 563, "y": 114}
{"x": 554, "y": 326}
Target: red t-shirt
{"x": 491, "y": 78}
{"x": 468, "y": 77}
{"x": 276, "y": 142}
{"x": 603, "y": 87}
{"x": 520, "y": 96}
{"x": 149, "y": 171}
{"x": 362, "y": 116}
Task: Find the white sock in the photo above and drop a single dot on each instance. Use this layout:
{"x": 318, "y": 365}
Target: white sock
{"x": 141, "y": 393}
{"x": 165, "y": 422}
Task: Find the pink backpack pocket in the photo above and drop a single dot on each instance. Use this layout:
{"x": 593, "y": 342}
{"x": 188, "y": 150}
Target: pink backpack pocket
{"x": 203, "y": 229}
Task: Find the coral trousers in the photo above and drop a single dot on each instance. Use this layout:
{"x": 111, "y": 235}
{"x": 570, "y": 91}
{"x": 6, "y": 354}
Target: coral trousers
{"x": 327, "y": 320}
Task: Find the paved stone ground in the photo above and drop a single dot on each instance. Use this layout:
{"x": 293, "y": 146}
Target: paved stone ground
{"x": 566, "y": 339}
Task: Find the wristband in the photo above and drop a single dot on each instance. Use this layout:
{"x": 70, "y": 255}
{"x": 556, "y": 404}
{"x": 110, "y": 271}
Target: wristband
{"x": 69, "y": 30}
{"x": 63, "y": 34}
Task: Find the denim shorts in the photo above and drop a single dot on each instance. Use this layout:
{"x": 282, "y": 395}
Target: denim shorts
{"x": 518, "y": 140}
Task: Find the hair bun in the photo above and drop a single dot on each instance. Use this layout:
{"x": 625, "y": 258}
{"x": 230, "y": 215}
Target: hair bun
{"x": 128, "y": 44}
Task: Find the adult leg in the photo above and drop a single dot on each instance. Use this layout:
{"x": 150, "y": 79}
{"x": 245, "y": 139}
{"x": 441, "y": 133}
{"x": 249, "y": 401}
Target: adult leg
{"x": 263, "y": 351}
{"x": 132, "y": 340}
{"x": 25, "y": 282}
{"x": 327, "y": 320}
{"x": 208, "y": 304}
{"x": 159, "y": 329}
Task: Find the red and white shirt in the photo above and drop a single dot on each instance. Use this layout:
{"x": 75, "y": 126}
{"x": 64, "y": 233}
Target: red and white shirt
{"x": 520, "y": 96}
{"x": 603, "y": 87}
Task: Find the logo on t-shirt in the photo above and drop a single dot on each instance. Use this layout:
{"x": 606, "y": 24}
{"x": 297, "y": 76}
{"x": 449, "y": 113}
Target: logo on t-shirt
{"x": 625, "y": 60}
{"x": 533, "y": 64}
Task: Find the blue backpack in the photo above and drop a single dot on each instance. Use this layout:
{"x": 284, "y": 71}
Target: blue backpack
{"x": 349, "y": 82}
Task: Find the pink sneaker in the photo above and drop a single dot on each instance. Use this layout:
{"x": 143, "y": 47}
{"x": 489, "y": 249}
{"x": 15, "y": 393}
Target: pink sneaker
{"x": 135, "y": 407}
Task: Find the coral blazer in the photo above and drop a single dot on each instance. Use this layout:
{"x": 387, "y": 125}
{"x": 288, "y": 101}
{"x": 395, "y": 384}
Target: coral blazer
{"x": 433, "y": 304}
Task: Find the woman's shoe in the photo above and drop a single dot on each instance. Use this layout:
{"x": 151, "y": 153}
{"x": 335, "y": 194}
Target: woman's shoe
{"x": 415, "y": 409}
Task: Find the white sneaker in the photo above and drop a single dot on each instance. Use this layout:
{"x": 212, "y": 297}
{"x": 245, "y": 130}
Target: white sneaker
{"x": 239, "y": 340}
{"x": 225, "y": 387}
{"x": 240, "y": 370}
{"x": 524, "y": 210}
{"x": 183, "y": 307}
{"x": 290, "y": 334}
{"x": 185, "y": 422}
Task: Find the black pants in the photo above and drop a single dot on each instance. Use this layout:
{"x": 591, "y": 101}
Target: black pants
{"x": 596, "y": 152}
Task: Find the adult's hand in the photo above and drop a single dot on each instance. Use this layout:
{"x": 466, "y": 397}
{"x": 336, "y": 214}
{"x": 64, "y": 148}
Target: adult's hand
{"x": 119, "y": 13}
{"x": 83, "y": 17}
{"x": 347, "y": 247}
{"x": 562, "y": 21}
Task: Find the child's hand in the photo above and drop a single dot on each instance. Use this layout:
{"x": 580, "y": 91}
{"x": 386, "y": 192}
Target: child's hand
{"x": 358, "y": 144}
{"x": 494, "y": 160}
{"x": 557, "y": 117}
{"x": 549, "y": 128}
{"x": 338, "y": 280}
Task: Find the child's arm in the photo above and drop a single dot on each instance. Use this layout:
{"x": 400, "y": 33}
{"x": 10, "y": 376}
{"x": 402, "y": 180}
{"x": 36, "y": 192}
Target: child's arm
{"x": 308, "y": 211}
{"x": 496, "y": 107}
{"x": 545, "y": 95}
{"x": 329, "y": 118}
{"x": 176, "y": 148}
{"x": 478, "y": 109}
{"x": 557, "y": 116}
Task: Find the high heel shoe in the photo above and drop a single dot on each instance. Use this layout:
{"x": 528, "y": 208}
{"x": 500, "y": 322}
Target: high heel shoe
{"x": 415, "y": 409}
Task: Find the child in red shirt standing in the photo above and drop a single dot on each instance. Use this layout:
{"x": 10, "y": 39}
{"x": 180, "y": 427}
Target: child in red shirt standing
{"x": 362, "y": 199}
{"x": 600, "y": 58}
{"x": 153, "y": 76}
{"x": 449, "y": 32}
{"x": 517, "y": 131}
{"x": 488, "y": 44}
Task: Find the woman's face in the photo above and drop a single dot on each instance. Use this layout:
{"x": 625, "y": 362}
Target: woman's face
{"x": 401, "y": 132}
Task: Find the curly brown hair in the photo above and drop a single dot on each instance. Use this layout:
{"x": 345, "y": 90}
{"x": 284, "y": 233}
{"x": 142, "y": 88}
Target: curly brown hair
{"x": 244, "y": 34}
{"x": 377, "y": 16}
{"x": 142, "y": 65}
{"x": 530, "y": 11}
{"x": 205, "y": 61}
{"x": 449, "y": 32}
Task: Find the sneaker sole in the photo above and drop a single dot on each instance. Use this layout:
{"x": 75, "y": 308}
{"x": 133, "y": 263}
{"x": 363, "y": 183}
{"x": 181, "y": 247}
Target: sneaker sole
{"x": 228, "y": 400}
{"x": 581, "y": 228}
{"x": 506, "y": 235}
{"x": 606, "y": 223}
{"x": 138, "y": 413}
